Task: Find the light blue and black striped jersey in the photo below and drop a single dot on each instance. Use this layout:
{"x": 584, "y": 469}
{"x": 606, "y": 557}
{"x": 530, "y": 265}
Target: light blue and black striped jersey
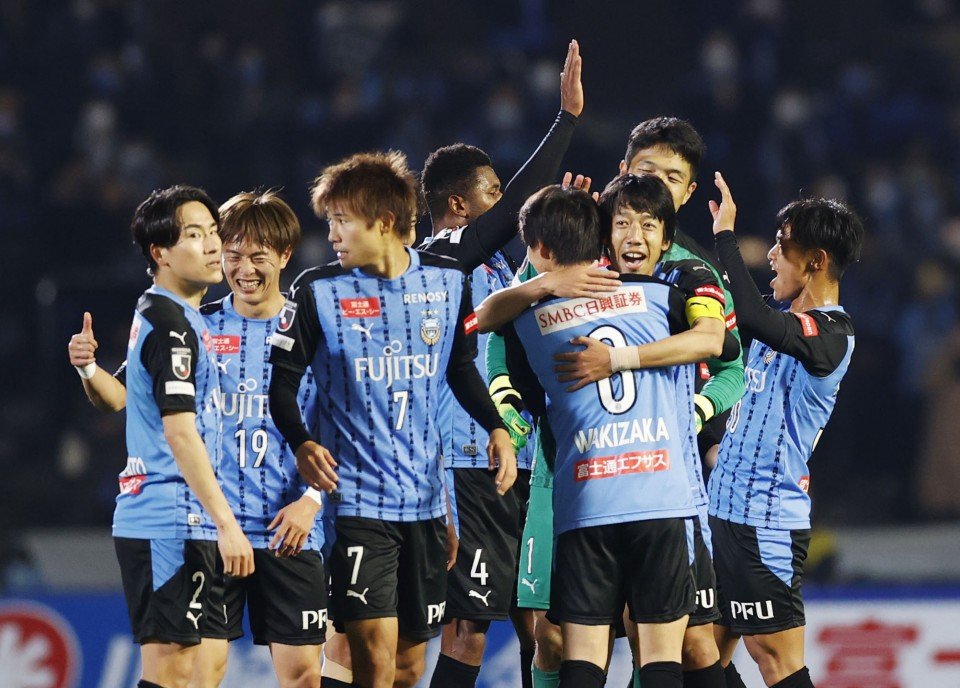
{"x": 762, "y": 476}
{"x": 685, "y": 379}
{"x": 381, "y": 350}
{"x": 258, "y": 474}
{"x": 619, "y": 450}
{"x": 170, "y": 368}
{"x": 464, "y": 441}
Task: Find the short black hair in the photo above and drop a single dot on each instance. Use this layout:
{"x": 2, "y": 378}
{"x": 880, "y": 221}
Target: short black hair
{"x": 828, "y": 224}
{"x": 566, "y": 221}
{"x": 678, "y": 135}
{"x": 641, "y": 193}
{"x": 156, "y": 221}
{"x": 450, "y": 171}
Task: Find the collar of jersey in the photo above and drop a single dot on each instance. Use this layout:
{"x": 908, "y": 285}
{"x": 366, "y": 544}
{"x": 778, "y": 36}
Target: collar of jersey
{"x": 414, "y": 263}
{"x": 154, "y": 289}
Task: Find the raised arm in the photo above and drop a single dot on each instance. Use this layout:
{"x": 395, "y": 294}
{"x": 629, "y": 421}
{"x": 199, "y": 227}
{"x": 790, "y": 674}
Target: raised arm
{"x": 104, "y": 391}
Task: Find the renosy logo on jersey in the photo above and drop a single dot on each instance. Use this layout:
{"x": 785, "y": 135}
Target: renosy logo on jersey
{"x": 573, "y": 312}
{"x": 624, "y": 464}
{"x": 367, "y": 307}
{"x": 226, "y": 343}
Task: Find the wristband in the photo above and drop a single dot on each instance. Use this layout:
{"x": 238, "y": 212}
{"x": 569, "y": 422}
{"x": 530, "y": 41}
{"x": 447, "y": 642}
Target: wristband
{"x": 87, "y": 371}
{"x": 315, "y": 495}
{"x": 624, "y": 358}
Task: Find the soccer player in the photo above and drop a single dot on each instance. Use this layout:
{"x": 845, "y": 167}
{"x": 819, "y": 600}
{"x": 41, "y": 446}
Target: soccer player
{"x": 287, "y": 593}
{"x": 170, "y": 509}
{"x": 672, "y": 150}
{"x": 621, "y": 496}
{"x": 472, "y": 221}
{"x": 381, "y": 330}
{"x": 759, "y": 506}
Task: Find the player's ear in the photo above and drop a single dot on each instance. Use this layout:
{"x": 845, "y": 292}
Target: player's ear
{"x": 623, "y": 168}
{"x": 544, "y": 251}
{"x": 285, "y": 257}
{"x": 690, "y": 189}
{"x": 458, "y": 205}
{"x": 818, "y": 260}
{"x": 157, "y": 253}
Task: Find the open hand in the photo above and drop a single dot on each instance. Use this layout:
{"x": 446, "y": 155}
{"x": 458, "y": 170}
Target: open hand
{"x": 571, "y": 88}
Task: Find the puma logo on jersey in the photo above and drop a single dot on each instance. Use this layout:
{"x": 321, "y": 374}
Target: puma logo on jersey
{"x": 532, "y": 586}
{"x": 222, "y": 366}
{"x": 181, "y": 337}
{"x": 362, "y": 596}
{"x": 357, "y": 327}
{"x": 195, "y": 619}
{"x": 474, "y": 593}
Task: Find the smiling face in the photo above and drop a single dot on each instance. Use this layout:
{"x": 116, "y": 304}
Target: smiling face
{"x": 636, "y": 241}
{"x": 253, "y": 271}
{"x": 672, "y": 169}
{"x": 195, "y": 259}
{"x": 789, "y": 264}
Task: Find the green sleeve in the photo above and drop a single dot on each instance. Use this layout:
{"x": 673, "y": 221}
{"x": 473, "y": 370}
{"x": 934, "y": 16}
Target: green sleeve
{"x": 496, "y": 357}
{"x": 725, "y": 386}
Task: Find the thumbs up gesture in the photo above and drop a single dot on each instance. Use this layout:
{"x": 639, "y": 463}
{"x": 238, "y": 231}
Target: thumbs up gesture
{"x": 83, "y": 345}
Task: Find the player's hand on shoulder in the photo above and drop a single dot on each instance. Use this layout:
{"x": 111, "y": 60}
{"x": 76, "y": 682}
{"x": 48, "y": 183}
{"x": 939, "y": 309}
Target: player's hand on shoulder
{"x": 571, "y": 88}
{"x": 236, "y": 551}
{"x": 82, "y": 348}
{"x": 581, "y": 281}
{"x": 590, "y": 364}
{"x": 503, "y": 459}
{"x": 293, "y": 524}
{"x": 724, "y": 214}
{"x": 317, "y": 466}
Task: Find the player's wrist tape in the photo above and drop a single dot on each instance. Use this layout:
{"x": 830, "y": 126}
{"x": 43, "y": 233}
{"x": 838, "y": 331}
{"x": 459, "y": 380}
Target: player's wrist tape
{"x": 624, "y": 358}
{"x": 315, "y": 495}
{"x": 86, "y": 371}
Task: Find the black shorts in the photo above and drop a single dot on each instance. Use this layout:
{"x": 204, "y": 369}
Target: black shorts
{"x": 482, "y": 584}
{"x": 644, "y": 564}
{"x": 390, "y": 569}
{"x": 759, "y": 573}
{"x": 705, "y": 580}
{"x": 286, "y": 598}
{"x": 174, "y": 589}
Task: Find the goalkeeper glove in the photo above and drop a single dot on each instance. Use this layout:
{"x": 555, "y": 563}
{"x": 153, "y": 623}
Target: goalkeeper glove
{"x": 704, "y": 410}
{"x": 509, "y": 405}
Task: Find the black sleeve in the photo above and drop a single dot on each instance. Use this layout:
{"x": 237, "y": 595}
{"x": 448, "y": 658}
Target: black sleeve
{"x": 731, "y": 346}
{"x": 169, "y": 355}
{"x": 521, "y": 374}
{"x": 121, "y": 374}
{"x": 677, "y": 311}
{"x": 462, "y": 375}
{"x": 695, "y": 278}
{"x": 284, "y": 406}
{"x": 818, "y": 339}
{"x": 493, "y": 230}
{"x": 293, "y": 347}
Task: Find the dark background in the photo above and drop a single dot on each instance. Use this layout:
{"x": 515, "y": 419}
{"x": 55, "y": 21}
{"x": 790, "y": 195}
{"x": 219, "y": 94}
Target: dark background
{"x": 102, "y": 101}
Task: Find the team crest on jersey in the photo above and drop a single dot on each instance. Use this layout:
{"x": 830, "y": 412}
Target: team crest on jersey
{"x": 287, "y": 315}
{"x": 181, "y": 360}
{"x": 767, "y": 357}
{"x": 430, "y": 330}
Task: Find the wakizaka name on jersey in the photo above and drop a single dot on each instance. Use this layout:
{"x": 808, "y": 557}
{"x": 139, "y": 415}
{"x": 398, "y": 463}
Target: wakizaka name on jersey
{"x": 622, "y": 433}
{"x": 392, "y": 366}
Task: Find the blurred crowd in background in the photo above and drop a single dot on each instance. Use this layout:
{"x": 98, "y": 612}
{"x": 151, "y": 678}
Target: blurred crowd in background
{"x": 102, "y": 101}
